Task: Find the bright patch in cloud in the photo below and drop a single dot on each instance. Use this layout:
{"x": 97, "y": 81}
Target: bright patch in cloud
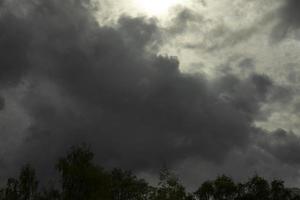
{"x": 156, "y": 7}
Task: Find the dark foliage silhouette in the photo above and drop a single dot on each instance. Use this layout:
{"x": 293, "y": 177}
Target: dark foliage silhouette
{"x": 82, "y": 179}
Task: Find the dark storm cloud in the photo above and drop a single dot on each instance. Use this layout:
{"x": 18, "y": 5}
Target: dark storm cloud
{"x": 183, "y": 20}
{"x": 247, "y": 64}
{"x": 106, "y": 87}
{"x": 289, "y": 20}
{"x": 283, "y": 145}
{"x": 218, "y": 33}
{"x": 14, "y": 43}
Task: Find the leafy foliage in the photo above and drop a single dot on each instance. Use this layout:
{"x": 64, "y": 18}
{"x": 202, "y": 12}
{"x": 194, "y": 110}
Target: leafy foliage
{"x": 169, "y": 188}
{"x": 126, "y": 186}
{"x": 81, "y": 179}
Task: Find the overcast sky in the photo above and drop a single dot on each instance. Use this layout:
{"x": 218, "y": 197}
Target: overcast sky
{"x": 204, "y": 87}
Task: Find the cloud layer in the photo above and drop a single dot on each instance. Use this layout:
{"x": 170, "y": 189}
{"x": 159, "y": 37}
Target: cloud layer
{"x": 65, "y": 79}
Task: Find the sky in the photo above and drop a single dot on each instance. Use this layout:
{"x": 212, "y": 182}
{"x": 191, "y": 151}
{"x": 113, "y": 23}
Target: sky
{"x": 203, "y": 87}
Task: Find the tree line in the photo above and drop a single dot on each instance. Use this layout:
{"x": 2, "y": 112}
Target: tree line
{"x": 82, "y": 179}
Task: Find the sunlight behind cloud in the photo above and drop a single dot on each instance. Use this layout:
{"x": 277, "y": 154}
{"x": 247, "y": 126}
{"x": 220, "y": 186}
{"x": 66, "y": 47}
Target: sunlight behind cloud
{"x": 156, "y": 7}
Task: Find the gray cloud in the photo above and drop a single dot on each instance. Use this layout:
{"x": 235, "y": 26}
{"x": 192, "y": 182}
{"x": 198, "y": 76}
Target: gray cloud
{"x": 108, "y": 87}
{"x": 289, "y": 20}
{"x": 219, "y": 33}
{"x": 283, "y": 145}
{"x": 184, "y": 19}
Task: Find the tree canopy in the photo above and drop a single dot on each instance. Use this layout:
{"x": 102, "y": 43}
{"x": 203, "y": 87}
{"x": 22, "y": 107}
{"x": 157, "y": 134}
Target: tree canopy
{"x": 82, "y": 179}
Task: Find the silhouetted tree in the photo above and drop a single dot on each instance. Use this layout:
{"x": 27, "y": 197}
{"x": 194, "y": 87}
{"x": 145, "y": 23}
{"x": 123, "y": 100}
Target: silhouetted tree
{"x": 81, "y": 179}
{"x": 11, "y": 191}
{"x": 2, "y": 194}
{"x": 49, "y": 194}
{"x": 206, "y": 191}
{"x": 278, "y": 191}
{"x": 296, "y": 197}
{"x": 28, "y": 183}
{"x": 126, "y": 186}
{"x": 257, "y": 188}
{"x": 169, "y": 187}
{"x": 241, "y": 192}
{"x": 224, "y": 188}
